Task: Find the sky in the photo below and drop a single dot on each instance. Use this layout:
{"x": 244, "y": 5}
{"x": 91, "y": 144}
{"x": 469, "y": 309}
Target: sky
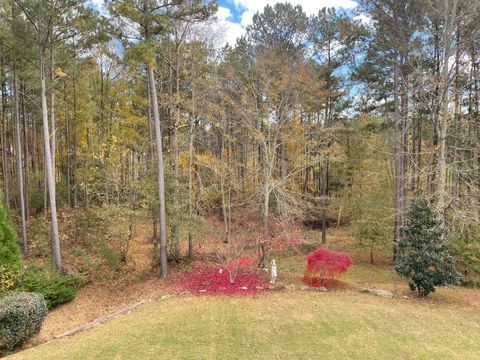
{"x": 235, "y": 15}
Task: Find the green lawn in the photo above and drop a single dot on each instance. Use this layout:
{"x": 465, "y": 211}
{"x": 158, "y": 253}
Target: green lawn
{"x": 287, "y": 325}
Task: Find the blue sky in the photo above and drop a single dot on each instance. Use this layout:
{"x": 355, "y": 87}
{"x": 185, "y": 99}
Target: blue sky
{"x": 235, "y": 15}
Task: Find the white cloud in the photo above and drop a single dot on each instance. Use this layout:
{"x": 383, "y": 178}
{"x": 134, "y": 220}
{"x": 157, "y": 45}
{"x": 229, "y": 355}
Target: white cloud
{"x": 309, "y": 6}
{"x": 247, "y": 18}
{"x": 224, "y": 13}
{"x": 247, "y": 8}
{"x": 231, "y": 30}
{"x": 364, "y": 19}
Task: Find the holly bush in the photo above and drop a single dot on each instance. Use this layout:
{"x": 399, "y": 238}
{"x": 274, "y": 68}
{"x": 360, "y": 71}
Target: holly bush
{"x": 423, "y": 255}
{"x": 21, "y": 317}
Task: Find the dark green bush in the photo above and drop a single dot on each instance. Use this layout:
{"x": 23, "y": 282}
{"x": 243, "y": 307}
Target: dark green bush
{"x": 424, "y": 256}
{"x": 56, "y": 289}
{"x": 21, "y": 317}
{"x": 9, "y": 250}
{"x": 10, "y": 259}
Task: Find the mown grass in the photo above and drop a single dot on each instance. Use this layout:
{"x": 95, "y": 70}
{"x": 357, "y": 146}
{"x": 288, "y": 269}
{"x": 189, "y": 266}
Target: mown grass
{"x": 339, "y": 324}
{"x": 288, "y": 325}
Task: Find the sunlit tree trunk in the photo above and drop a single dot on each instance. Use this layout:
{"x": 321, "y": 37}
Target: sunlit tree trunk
{"x": 49, "y": 165}
{"x": 450, "y": 14}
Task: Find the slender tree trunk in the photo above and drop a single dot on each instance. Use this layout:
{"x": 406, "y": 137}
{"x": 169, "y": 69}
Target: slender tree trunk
{"x": 324, "y": 201}
{"x": 190, "y": 166}
{"x": 160, "y": 163}
{"x": 397, "y": 158}
{"x": 67, "y": 147}
{"x": 25, "y": 118}
{"x": 49, "y": 167}
{"x": 324, "y": 169}
{"x": 6, "y": 185}
{"x": 456, "y": 117}
{"x": 450, "y": 14}
{"x": 175, "y": 150}
{"x": 53, "y": 142}
{"x": 75, "y": 147}
{"x": 435, "y": 101}
{"x": 226, "y": 223}
{"x": 18, "y": 156}
{"x": 474, "y": 114}
{"x": 161, "y": 176}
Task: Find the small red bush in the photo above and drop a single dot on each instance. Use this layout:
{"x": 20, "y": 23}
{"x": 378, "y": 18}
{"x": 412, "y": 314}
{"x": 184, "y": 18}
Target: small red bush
{"x": 325, "y": 266}
{"x": 215, "y": 280}
{"x": 237, "y": 265}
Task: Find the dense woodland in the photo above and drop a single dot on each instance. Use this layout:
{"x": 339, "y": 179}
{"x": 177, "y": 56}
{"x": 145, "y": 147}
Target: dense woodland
{"x": 338, "y": 119}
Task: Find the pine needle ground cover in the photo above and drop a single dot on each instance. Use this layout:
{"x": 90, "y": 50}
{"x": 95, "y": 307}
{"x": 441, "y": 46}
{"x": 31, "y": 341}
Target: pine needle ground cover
{"x": 288, "y": 325}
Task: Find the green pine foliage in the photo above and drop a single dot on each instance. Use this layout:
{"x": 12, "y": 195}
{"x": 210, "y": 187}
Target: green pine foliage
{"x": 424, "y": 256}
{"x": 466, "y": 249}
{"x": 10, "y": 258}
{"x": 9, "y": 249}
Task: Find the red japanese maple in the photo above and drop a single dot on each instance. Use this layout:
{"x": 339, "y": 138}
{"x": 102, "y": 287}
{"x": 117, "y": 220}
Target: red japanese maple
{"x": 325, "y": 266}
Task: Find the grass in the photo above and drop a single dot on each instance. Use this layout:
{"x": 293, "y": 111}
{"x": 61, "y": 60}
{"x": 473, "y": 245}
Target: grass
{"x": 339, "y": 324}
{"x": 291, "y": 325}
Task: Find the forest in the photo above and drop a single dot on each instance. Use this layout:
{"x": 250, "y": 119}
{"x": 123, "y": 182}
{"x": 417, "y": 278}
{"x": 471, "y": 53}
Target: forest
{"x": 141, "y": 150}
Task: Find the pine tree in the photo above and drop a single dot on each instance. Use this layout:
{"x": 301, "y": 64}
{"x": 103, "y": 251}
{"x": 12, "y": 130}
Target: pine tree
{"x": 9, "y": 249}
{"x": 423, "y": 253}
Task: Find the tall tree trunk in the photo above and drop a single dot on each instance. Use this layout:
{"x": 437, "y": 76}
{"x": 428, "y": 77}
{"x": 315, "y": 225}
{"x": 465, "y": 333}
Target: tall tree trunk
{"x": 49, "y": 167}
{"x": 474, "y": 114}
{"x": 191, "y": 150}
{"x": 159, "y": 145}
{"x": 26, "y": 143}
{"x": 18, "y": 157}
{"x": 67, "y": 147}
{"x": 175, "y": 150}
{"x": 324, "y": 168}
{"x": 161, "y": 176}
{"x": 75, "y": 147}
{"x": 456, "y": 116}
{"x": 450, "y": 11}
{"x": 53, "y": 142}
{"x": 6, "y": 185}
{"x": 398, "y": 160}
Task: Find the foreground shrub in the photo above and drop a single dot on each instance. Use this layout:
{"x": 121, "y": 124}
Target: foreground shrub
{"x": 21, "y": 317}
{"x": 325, "y": 266}
{"x": 56, "y": 289}
{"x": 423, "y": 255}
{"x": 206, "y": 279}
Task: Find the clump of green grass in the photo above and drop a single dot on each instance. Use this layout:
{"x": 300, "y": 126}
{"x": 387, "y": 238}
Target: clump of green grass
{"x": 291, "y": 325}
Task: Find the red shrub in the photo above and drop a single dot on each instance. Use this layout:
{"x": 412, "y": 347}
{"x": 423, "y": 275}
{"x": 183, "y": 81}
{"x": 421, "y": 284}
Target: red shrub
{"x": 324, "y": 266}
{"x": 216, "y": 280}
{"x": 235, "y": 266}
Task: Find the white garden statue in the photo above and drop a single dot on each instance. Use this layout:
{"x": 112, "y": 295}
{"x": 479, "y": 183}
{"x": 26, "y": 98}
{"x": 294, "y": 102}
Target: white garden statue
{"x": 273, "y": 272}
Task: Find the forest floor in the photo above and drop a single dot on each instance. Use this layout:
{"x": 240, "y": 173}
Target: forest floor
{"x": 293, "y": 323}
